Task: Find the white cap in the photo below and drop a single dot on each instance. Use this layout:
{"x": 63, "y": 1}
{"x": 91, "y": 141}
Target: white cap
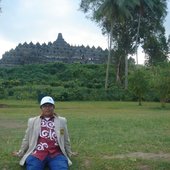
{"x": 47, "y": 99}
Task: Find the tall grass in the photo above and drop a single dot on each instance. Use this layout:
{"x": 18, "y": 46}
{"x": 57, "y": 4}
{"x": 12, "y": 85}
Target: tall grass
{"x": 99, "y": 131}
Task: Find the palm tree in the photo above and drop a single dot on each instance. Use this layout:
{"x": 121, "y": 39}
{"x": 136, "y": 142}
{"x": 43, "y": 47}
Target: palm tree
{"x": 114, "y": 11}
{"x": 108, "y": 60}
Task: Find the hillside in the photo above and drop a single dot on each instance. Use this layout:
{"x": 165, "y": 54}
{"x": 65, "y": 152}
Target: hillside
{"x": 63, "y": 81}
{"x": 75, "y": 82}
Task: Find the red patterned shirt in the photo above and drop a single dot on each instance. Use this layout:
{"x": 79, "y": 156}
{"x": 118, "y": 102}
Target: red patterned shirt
{"x": 47, "y": 144}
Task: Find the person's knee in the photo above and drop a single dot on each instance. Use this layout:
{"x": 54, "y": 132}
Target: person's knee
{"x": 59, "y": 162}
{"x": 33, "y": 163}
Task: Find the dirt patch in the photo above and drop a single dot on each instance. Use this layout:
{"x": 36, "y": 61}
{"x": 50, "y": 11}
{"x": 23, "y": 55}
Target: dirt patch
{"x": 3, "y": 106}
{"x": 141, "y": 155}
{"x": 144, "y": 167}
{"x": 87, "y": 163}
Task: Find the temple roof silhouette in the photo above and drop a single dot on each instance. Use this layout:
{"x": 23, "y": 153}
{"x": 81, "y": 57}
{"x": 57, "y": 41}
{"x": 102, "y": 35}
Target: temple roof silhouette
{"x": 57, "y": 51}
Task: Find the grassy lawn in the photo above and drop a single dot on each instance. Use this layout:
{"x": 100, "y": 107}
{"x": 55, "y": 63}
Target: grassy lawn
{"x": 107, "y": 135}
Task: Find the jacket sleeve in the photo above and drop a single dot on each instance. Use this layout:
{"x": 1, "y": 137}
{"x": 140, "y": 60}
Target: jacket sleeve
{"x": 67, "y": 144}
{"x": 25, "y": 140}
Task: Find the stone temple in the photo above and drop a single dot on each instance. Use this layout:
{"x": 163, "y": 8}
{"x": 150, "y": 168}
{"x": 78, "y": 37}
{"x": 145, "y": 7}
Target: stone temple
{"x": 58, "y": 51}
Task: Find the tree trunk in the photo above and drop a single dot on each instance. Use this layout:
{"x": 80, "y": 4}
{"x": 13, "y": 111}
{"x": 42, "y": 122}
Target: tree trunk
{"x": 140, "y": 101}
{"x": 109, "y": 58}
{"x": 163, "y": 102}
{"x": 118, "y": 71}
{"x": 126, "y": 72}
{"x": 137, "y": 35}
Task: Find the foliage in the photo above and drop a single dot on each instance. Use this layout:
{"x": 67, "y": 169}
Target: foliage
{"x": 161, "y": 82}
{"x": 156, "y": 48}
{"x": 152, "y": 33}
{"x": 78, "y": 82}
{"x": 111, "y": 14}
{"x": 139, "y": 84}
{"x": 64, "y": 81}
{"x": 127, "y": 23}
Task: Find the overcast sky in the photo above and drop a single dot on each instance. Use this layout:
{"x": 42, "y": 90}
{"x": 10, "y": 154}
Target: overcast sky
{"x": 41, "y": 21}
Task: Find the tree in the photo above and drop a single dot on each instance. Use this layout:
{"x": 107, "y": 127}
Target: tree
{"x": 161, "y": 82}
{"x": 138, "y": 84}
{"x": 123, "y": 45}
{"x": 140, "y": 9}
{"x": 110, "y": 12}
{"x": 152, "y": 31}
{"x": 156, "y": 48}
{"x": 150, "y": 15}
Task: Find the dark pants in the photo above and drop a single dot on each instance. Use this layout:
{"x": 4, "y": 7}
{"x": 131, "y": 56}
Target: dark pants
{"x": 59, "y": 162}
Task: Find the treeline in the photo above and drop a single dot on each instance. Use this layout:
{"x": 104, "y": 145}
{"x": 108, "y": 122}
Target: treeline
{"x": 66, "y": 82}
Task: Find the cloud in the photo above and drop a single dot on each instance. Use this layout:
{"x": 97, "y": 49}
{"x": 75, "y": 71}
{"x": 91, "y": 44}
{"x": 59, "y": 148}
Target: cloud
{"x": 42, "y": 20}
{"x": 52, "y": 8}
{"x": 30, "y": 18}
{"x": 6, "y": 45}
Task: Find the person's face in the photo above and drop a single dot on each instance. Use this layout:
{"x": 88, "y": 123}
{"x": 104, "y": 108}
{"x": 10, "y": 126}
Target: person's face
{"x": 47, "y": 109}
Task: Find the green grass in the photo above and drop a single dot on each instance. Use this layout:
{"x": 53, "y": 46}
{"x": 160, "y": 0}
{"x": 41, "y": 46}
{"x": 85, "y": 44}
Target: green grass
{"x": 99, "y": 131}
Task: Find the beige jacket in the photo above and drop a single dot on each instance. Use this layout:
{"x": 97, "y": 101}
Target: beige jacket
{"x": 30, "y": 139}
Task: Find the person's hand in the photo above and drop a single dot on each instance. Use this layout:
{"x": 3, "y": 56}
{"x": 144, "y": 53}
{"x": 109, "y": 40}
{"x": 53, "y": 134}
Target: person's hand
{"x": 15, "y": 153}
